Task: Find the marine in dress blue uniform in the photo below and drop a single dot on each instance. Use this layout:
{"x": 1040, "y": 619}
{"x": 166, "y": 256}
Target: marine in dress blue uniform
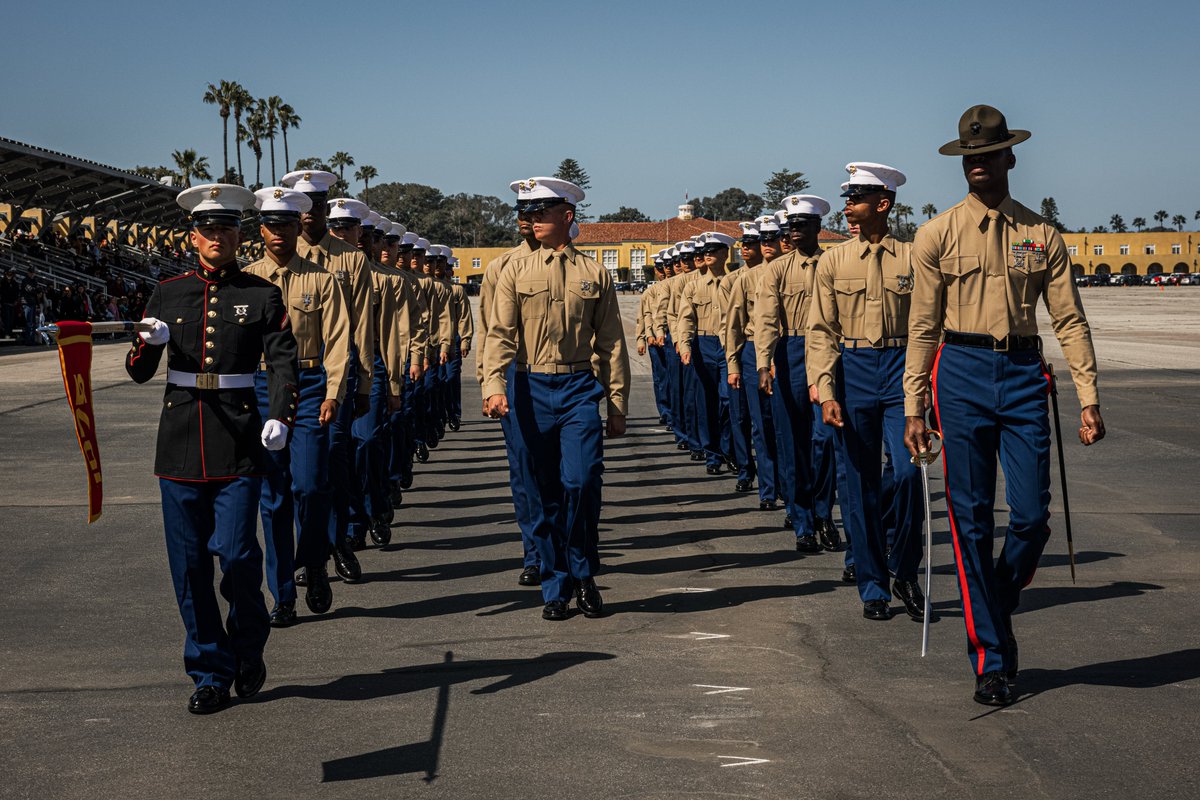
{"x": 214, "y": 324}
{"x": 979, "y": 270}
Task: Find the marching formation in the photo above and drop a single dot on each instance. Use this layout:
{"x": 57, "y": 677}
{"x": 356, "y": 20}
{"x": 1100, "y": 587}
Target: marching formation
{"x": 305, "y": 385}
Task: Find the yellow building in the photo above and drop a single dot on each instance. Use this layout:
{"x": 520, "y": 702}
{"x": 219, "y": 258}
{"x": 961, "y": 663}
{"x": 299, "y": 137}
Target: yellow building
{"x": 1145, "y": 253}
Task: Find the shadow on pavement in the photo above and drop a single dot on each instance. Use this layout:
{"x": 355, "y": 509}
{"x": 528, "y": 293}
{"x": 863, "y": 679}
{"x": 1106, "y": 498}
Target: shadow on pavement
{"x": 692, "y": 602}
{"x": 1150, "y": 672}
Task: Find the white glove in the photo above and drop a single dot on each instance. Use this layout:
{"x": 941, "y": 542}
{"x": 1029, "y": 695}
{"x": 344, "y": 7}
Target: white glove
{"x": 274, "y": 435}
{"x": 159, "y": 333}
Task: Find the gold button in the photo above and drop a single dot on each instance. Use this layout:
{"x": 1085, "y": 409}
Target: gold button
{"x": 245, "y": 406}
{"x": 212, "y": 299}
{"x": 169, "y": 404}
{"x": 293, "y": 405}
{"x": 208, "y": 360}
{"x": 209, "y": 345}
{"x": 179, "y": 319}
{"x": 212, "y": 287}
{"x": 212, "y": 314}
{"x": 210, "y": 329}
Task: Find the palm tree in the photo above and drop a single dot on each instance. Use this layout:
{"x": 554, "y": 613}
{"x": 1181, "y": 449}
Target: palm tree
{"x": 1160, "y": 217}
{"x": 221, "y": 95}
{"x": 1179, "y": 220}
{"x": 929, "y": 209}
{"x": 241, "y": 102}
{"x": 1139, "y": 223}
{"x": 838, "y": 216}
{"x": 256, "y": 131}
{"x": 270, "y": 110}
{"x": 366, "y": 173}
{"x": 191, "y": 166}
{"x": 339, "y": 161}
{"x": 288, "y": 118}
{"x": 1117, "y": 223}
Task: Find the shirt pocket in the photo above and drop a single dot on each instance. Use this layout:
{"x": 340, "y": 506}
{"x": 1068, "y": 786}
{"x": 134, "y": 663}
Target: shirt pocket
{"x": 582, "y": 299}
{"x": 241, "y": 332}
{"x": 306, "y": 320}
{"x": 792, "y": 295}
{"x": 963, "y": 277}
{"x": 185, "y": 324}
{"x": 533, "y": 297}
{"x": 851, "y": 295}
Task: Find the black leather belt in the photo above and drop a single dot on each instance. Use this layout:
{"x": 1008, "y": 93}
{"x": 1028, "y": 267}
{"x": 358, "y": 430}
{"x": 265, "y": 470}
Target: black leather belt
{"x": 1008, "y": 343}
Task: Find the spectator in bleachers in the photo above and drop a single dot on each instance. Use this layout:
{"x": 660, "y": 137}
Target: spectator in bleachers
{"x": 30, "y": 304}
{"x": 10, "y": 303}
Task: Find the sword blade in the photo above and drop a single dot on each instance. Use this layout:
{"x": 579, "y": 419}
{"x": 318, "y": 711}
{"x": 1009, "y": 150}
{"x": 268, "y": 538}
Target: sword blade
{"x": 928, "y": 560}
{"x": 1062, "y": 471}
{"x": 118, "y": 326}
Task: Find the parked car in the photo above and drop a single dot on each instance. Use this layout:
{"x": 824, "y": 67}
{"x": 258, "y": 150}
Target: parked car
{"x": 621, "y": 286}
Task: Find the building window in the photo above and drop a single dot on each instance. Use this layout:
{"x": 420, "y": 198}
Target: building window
{"x": 589, "y": 253}
{"x": 1072, "y": 249}
{"x": 610, "y": 259}
{"x": 1149, "y": 249}
{"x": 1097, "y": 249}
{"x": 476, "y": 262}
{"x": 1124, "y": 249}
{"x": 1176, "y": 249}
{"x": 637, "y": 259}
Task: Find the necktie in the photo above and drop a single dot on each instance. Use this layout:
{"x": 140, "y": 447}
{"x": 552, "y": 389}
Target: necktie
{"x": 873, "y": 320}
{"x": 995, "y": 296}
{"x": 556, "y": 320}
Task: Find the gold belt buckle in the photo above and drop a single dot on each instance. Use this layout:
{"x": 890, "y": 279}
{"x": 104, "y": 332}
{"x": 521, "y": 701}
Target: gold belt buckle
{"x": 208, "y": 380}
{"x": 1001, "y": 345}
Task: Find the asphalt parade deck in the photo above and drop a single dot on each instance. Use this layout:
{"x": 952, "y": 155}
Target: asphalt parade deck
{"x": 730, "y": 665}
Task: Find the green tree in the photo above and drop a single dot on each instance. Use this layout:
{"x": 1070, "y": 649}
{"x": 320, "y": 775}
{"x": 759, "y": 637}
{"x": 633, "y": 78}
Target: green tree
{"x": 835, "y": 221}
{"x": 461, "y": 220}
{"x": 312, "y": 163}
{"x": 190, "y": 165}
{"x": 1139, "y": 223}
{"x": 241, "y": 102}
{"x": 902, "y": 229}
{"x": 929, "y": 209}
{"x": 1179, "y": 220}
{"x": 339, "y": 161}
{"x": 154, "y": 173}
{"x": 256, "y": 131}
{"x": 570, "y": 170}
{"x": 221, "y": 95}
{"x": 366, "y": 173}
{"x": 1117, "y": 223}
{"x": 1161, "y": 218}
{"x": 1099, "y": 229}
{"x": 624, "y": 214}
{"x": 270, "y": 111}
{"x": 288, "y": 118}
{"x": 732, "y": 204}
{"x": 1050, "y": 213}
{"x": 782, "y": 183}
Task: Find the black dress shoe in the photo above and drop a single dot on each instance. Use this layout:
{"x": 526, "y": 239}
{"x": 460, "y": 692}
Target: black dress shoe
{"x": 345, "y": 563}
{"x": 208, "y": 700}
{"x": 251, "y": 675}
{"x": 787, "y": 522}
{"x": 910, "y": 594}
{"x": 556, "y": 611}
{"x": 422, "y": 452}
{"x": 381, "y": 532}
{"x": 992, "y": 689}
{"x": 397, "y": 494}
{"x": 697, "y": 455}
{"x": 1012, "y": 655}
{"x": 849, "y": 575}
{"x": 807, "y": 544}
{"x": 681, "y": 446}
{"x": 743, "y": 487}
{"x": 876, "y": 610}
{"x": 662, "y": 419}
{"x": 530, "y": 576}
{"x": 713, "y": 469}
{"x": 587, "y": 597}
{"x": 302, "y": 577}
{"x": 454, "y": 424}
{"x": 319, "y": 597}
{"x": 358, "y": 540}
{"x": 406, "y": 482}
{"x": 766, "y": 505}
{"x": 827, "y": 532}
{"x": 284, "y": 615}
{"x": 670, "y": 429}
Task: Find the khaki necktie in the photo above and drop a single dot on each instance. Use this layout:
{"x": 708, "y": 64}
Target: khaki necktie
{"x": 995, "y": 296}
{"x": 873, "y": 320}
{"x": 556, "y": 321}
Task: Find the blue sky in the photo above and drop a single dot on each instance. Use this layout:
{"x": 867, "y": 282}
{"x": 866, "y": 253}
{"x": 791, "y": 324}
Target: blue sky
{"x": 655, "y": 99}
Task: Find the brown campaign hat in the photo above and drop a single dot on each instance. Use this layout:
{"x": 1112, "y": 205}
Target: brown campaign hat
{"x": 982, "y": 129}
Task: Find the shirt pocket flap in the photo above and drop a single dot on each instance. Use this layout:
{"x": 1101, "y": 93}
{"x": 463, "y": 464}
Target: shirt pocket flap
{"x": 531, "y": 287}
{"x": 589, "y": 292}
{"x": 242, "y": 313}
{"x": 181, "y": 316}
{"x": 307, "y": 305}
{"x": 959, "y": 266}
{"x": 849, "y": 285}
{"x": 792, "y": 288}
{"x": 178, "y": 396}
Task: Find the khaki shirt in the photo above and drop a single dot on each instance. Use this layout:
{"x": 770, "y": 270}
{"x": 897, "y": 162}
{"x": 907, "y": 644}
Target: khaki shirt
{"x": 739, "y": 319}
{"x": 701, "y": 310}
{"x": 846, "y": 306}
{"x": 657, "y": 307}
{"x": 487, "y": 291}
{"x": 392, "y": 330}
{"x": 784, "y": 291}
{"x": 678, "y": 282}
{"x": 544, "y": 319}
{"x": 349, "y": 265}
{"x": 462, "y": 313}
{"x": 640, "y": 333}
{"x": 418, "y": 318}
{"x": 441, "y": 325}
{"x": 951, "y": 275}
{"x": 316, "y": 307}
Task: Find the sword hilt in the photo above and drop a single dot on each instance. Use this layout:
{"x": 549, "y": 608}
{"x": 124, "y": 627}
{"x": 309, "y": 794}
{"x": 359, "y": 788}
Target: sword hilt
{"x": 927, "y": 457}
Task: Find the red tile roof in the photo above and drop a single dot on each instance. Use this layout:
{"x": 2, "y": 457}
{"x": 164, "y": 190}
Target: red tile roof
{"x": 666, "y": 232}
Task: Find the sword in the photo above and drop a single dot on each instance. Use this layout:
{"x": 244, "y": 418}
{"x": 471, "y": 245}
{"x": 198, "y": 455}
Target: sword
{"x": 923, "y": 460}
{"x": 1062, "y": 466}
{"x": 120, "y": 326}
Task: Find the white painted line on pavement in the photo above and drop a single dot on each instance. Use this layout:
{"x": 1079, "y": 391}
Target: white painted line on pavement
{"x": 686, "y": 589}
{"x": 698, "y": 636}
{"x": 721, "y": 689}
{"x": 742, "y": 761}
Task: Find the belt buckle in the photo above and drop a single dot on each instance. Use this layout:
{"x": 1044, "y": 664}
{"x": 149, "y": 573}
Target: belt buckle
{"x": 208, "y": 380}
{"x": 1001, "y": 345}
